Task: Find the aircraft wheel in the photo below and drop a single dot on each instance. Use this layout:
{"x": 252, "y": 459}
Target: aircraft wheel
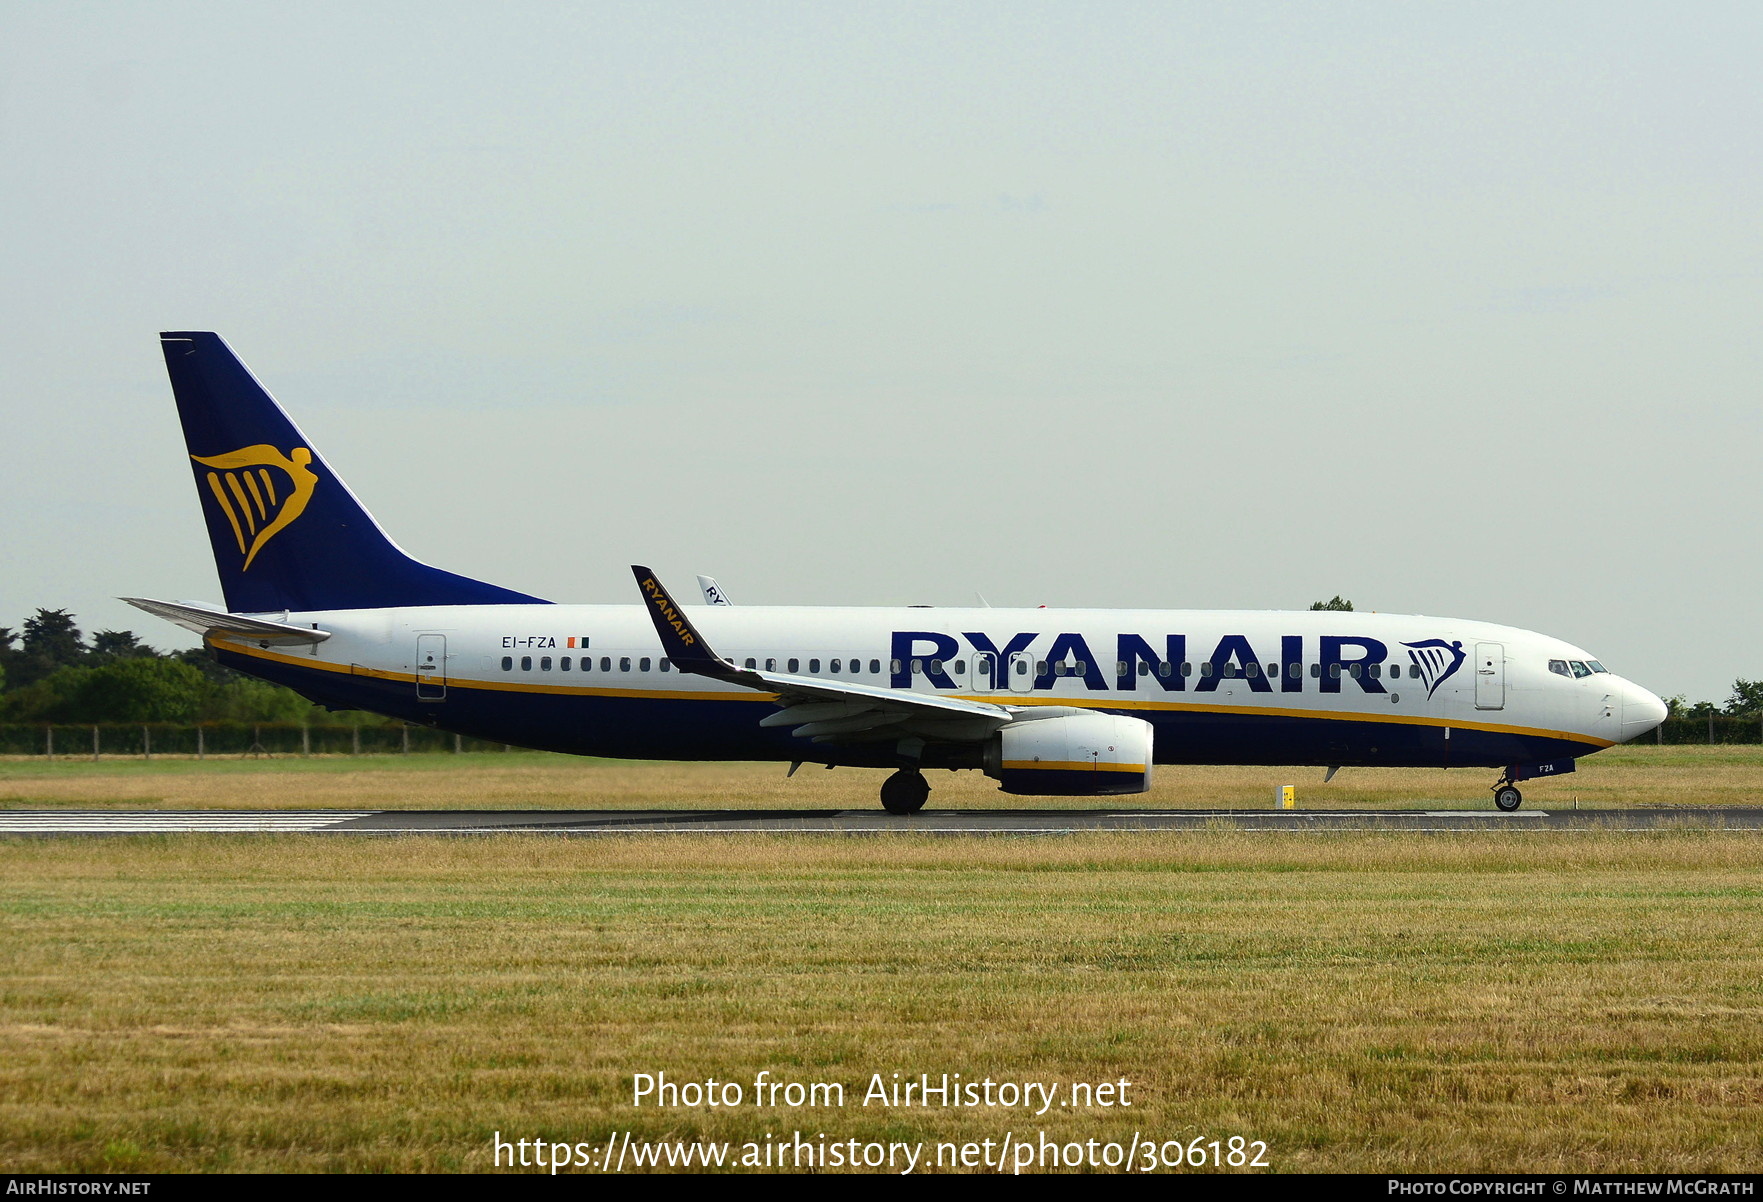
{"x": 905, "y": 792}
{"x": 1508, "y": 798}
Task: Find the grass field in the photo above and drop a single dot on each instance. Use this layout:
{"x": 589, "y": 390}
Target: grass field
{"x": 1640, "y": 775}
{"x": 1360, "y": 1002}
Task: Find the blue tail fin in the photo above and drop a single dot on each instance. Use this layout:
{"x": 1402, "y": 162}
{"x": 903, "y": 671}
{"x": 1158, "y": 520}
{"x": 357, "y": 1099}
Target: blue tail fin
{"x": 287, "y": 532}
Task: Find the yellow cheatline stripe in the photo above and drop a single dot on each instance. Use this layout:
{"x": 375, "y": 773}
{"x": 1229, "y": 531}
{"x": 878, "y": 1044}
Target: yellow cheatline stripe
{"x": 304, "y": 661}
{"x": 226, "y": 507}
{"x": 1070, "y": 766}
{"x": 225, "y": 642}
{"x": 377, "y": 673}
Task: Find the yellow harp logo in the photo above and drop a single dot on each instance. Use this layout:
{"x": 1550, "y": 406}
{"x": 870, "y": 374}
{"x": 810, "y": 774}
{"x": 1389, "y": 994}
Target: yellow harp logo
{"x": 261, "y": 491}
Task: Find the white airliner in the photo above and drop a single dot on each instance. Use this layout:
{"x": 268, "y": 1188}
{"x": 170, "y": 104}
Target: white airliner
{"x": 1072, "y": 702}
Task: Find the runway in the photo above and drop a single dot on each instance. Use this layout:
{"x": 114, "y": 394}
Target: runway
{"x": 851, "y": 822}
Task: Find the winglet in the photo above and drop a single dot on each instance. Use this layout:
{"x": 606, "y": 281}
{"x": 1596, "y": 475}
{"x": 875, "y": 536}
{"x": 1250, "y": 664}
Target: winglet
{"x": 688, "y": 652}
{"x": 679, "y": 638}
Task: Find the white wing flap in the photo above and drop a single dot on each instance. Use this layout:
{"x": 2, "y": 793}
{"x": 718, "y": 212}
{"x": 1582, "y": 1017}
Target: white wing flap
{"x": 830, "y": 710}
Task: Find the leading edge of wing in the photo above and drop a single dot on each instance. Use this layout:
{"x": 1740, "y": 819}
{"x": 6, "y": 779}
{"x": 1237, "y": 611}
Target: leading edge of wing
{"x": 688, "y": 650}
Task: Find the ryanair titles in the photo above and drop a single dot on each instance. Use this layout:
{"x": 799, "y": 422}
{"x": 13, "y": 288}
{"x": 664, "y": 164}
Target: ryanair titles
{"x": 1330, "y": 662}
{"x": 664, "y": 606}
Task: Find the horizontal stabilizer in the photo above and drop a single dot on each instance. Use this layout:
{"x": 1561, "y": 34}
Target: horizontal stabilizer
{"x": 206, "y": 621}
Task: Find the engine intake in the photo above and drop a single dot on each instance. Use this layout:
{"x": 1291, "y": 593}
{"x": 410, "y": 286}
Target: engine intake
{"x": 1076, "y": 755}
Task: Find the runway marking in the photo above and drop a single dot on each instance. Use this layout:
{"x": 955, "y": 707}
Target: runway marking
{"x": 152, "y": 822}
{"x": 850, "y": 822}
{"x": 1483, "y": 814}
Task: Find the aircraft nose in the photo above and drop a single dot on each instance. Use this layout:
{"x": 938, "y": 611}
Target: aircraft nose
{"x": 1641, "y": 711}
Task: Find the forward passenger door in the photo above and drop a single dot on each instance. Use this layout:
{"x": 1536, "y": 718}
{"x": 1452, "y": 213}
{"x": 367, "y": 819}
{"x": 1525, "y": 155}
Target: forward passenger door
{"x": 1490, "y": 676}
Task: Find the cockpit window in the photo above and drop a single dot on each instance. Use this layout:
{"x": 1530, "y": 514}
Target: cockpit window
{"x": 1579, "y": 669}
{"x": 1559, "y": 667}
{"x": 1596, "y": 666}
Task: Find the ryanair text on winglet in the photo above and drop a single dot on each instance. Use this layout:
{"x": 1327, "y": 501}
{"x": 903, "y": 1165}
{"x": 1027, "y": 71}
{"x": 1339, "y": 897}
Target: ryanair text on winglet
{"x": 664, "y": 604}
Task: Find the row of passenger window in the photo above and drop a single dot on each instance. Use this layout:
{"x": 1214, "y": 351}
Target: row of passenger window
{"x": 854, "y": 667}
{"x": 565, "y": 663}
{"x": 835, "y": 667}
{"x": 626, "y": 663}
{"x": 1163, "y": 668}
{"x": 1167, "y": 669}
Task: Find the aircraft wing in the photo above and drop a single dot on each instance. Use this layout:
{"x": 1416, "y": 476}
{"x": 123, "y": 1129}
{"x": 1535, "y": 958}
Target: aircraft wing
{"x": 205, "y": 621}
{"x": 821, "y": 709}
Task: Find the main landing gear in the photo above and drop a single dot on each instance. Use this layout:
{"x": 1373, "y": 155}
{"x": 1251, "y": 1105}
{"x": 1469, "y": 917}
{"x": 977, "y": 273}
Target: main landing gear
{"x": 905, "y": 792}
{"x": 1506, "y": 794}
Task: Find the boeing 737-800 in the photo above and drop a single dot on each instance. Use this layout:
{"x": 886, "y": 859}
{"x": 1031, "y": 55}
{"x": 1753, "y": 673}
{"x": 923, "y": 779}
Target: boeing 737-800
{"x": 1069, "y": 702}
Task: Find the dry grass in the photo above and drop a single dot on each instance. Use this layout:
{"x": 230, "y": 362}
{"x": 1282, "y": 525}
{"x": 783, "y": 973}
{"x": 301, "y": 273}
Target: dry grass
{"x": 1361, "y": 1002}
{"x": 1627, "y": 776}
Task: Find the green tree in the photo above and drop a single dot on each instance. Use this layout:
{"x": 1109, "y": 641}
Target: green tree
{"x": 51, "y": 641}
{"x": 137, "y": 690}
{"x": 1338, "y": 603}
{"x": 52, "y": 632}
{"x": 212, "y": 669}
{"x": 1746, "y": 699}
{"x": 243, "y": 699}
{"x": 45, "y": 700}
{"x": 236, "y": 697}
{"x": 108, "y": 645}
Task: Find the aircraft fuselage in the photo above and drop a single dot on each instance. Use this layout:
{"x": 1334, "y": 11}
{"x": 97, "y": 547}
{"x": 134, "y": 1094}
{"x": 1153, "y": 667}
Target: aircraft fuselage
{"x": 1236, "y": 687}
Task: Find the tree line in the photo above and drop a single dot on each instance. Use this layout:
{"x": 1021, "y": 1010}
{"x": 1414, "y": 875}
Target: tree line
{"x": 51, "y": 672}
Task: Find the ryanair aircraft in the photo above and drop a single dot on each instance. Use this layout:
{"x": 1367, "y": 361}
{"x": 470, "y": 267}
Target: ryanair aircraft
{"x": 1077, "y": 702}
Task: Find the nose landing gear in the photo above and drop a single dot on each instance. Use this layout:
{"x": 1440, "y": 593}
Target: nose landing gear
{"x": 905, "y": 792}
{"x": 1506, "y": 794}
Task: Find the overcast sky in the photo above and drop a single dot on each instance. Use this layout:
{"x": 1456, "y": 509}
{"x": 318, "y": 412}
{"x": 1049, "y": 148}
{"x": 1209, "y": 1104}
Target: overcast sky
{"x": 1452, "y": 309}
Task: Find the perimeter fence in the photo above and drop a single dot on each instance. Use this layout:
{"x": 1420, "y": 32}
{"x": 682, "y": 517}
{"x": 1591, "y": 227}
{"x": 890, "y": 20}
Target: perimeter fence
{"x": 145, "y": 740}
{"x": 1717, "y": 728}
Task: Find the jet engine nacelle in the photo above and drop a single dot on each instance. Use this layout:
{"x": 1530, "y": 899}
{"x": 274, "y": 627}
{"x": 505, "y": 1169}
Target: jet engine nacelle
{"x": 1072, "y": 755}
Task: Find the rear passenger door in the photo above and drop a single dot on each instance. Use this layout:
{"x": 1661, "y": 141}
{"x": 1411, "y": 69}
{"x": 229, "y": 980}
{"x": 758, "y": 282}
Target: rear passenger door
{"x": 431, "y": 667}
